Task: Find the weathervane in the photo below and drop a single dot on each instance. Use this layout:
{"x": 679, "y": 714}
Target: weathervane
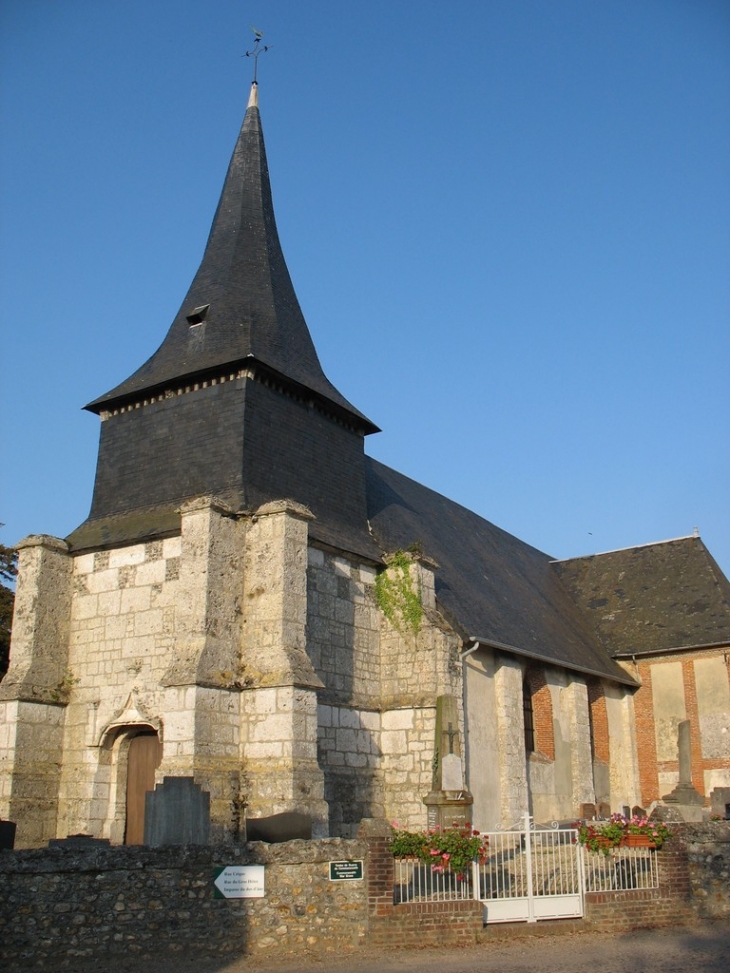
{"x": 256, "y": 52}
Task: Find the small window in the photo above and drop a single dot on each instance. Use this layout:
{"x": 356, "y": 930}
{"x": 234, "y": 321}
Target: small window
{"x": 198, "y": 315}
{"x": 529, "y": 717}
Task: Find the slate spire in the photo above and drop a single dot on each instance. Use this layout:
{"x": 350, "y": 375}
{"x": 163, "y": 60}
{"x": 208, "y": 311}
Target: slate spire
{"x": 241, "y": 304}
{"x": 234, "y": 403}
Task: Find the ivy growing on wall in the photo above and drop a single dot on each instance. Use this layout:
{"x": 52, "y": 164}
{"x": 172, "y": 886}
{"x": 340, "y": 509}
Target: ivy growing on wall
{"x": 398, "y": 595}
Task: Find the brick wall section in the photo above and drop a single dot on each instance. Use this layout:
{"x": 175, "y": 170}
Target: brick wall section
{"x": 411, "y": 923}
{"x": 646, "y": 908}
{"x": 542, "y": 710}
{"x": 646, "y": 737}
{"x": 679, "y": 899}
{"x": 708, "y": 749}
{"x": 599, "y": 721}
{"x": 428, "y": 924}
{"x": 380, "y": 876}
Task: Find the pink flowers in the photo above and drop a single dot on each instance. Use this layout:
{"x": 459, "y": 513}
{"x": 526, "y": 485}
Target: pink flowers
{"x": 452, "y": 849}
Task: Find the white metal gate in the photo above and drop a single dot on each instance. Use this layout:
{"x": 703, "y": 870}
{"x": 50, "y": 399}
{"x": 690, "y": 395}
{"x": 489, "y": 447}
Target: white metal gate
{"x": 530, "y": 875}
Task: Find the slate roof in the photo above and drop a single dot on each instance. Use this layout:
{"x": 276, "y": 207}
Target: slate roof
{"x": 651, "y": 599}
{"x": 243, "y": 282}
{"x": 490, "y": 585}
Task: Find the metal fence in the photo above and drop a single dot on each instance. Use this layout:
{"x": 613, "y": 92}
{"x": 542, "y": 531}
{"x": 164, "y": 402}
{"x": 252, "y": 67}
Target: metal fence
{"x": 529, "y": 875}
{"x": 621, "y": 868}
{"x": 417, "y": 882}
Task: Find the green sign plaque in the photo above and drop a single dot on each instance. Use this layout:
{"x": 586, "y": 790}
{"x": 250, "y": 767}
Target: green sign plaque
{"x": 346, "y": 871}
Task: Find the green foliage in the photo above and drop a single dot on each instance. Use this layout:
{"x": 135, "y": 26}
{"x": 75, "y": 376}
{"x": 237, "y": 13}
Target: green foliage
{"x": 603, "y": 836}
{"x": 8, "y": 572}
{"x": 62, "y": 692}
{"x": 398, "y": 596}
{"x": 451, "y": 848}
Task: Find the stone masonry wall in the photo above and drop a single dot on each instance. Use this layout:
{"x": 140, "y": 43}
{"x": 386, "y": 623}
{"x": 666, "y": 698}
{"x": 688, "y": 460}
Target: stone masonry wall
{"x": 708, "y": 853}
{"x": 343, "y": 629}
{"x": 32, "y": 693}
{"x": 65, "y": 903}
{"x": 279, "y": 724}
{"x": 377, "y": 710}
{"x": 122, "y": 634}
{"x": 343, "y": 642}
{"x": 60, "y": 904}
{"x": 417, "y": 668}
{"x": 350, "y": 754}
{"x": 408, "y": 754}
{"x": 510, "y": 742}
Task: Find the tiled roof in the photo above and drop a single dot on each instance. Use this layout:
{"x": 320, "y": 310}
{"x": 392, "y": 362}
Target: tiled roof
{"x": 651, "y": 599}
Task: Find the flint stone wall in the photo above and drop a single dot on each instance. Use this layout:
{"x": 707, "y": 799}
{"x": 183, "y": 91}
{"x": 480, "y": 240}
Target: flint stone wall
{"x": 61, "y": 904}
{"x": 708, "y": 853}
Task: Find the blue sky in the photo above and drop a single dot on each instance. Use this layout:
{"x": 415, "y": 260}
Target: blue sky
{"x": 507, "y": 221}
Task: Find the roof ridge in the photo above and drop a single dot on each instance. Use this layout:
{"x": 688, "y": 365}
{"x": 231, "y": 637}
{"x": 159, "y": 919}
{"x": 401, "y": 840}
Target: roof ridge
{"x": 631, "y": 547}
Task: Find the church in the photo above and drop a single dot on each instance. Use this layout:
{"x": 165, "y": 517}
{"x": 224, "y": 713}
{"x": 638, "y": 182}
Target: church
{"x": 256, "y": 604}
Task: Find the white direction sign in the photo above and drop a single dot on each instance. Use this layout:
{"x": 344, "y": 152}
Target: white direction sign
{"x": 239, "y": 882}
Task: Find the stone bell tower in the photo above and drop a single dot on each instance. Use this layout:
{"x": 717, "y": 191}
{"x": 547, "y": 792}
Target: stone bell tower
{"x": 166, "y": 636}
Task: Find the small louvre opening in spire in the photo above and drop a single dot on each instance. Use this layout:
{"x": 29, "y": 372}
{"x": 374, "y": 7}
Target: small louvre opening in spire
{"x": 198, "y": 315}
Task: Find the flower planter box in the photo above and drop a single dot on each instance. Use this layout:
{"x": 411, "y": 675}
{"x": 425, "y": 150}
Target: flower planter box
{"x": 637, "y": 841}
{"x": 601, "y": 844}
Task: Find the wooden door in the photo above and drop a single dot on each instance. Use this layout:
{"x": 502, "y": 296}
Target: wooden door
{"x": 143, "y": 759}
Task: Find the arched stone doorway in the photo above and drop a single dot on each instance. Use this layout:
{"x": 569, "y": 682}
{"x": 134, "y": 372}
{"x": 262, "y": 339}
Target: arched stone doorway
{"x": 144, "y": 756}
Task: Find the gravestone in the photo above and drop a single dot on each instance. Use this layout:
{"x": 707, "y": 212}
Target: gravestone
{"x": 177, "y": 812}
{"x": 720, "y": 802}
{"x": 275, "y": 828}
{"x": 76, "y": 841}
{"x": 7, "y": 835}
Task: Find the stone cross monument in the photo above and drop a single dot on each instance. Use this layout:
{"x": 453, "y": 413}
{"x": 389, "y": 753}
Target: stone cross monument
{"x": 448, "y": 803}
{"x": 684, "y": 795}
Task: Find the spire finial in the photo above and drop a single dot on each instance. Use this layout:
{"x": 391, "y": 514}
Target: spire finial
{"x": 256, "y": 52}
